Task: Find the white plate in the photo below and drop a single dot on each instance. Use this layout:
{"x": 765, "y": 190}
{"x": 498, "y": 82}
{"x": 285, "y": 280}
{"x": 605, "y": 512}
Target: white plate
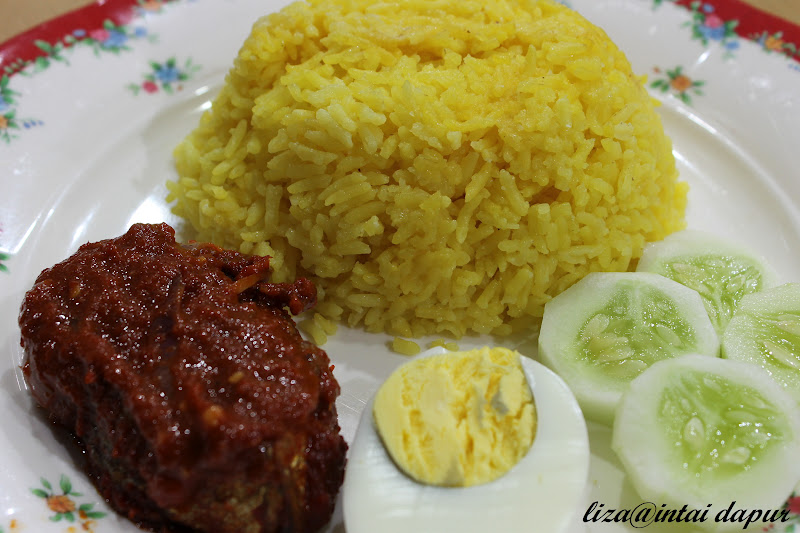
{"x": 96, "y": 153}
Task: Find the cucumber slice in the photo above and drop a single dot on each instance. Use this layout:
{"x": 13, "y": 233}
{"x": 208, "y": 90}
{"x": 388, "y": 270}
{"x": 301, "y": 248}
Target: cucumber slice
{"x": 721, "y": 271}
{"x": 766, "y": 331}
{"x": 700, "y": 430}
{"x": 605, "y": 330}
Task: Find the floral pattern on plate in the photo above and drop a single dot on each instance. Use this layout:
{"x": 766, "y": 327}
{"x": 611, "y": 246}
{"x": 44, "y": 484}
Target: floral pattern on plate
{"x": 10, "y": 123}
{"x": 110, "y": 37}
{"x": 677, "y": 83}
{"x": 166, "y": 76}
{"x": 789, "y": 523}
{"x": 707, "y": 26}
{"x": 64, "y": 506}
{"x": 115, "y": 37}
{"x": 4, "y": 257}
{"x": 775, "y": 43}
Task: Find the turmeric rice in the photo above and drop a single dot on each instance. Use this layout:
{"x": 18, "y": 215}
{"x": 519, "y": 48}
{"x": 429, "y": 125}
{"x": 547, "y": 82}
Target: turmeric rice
{"x": 435, "y": 166}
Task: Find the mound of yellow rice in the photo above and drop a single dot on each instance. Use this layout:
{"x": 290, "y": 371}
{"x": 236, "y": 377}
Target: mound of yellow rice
{"x": 435, "y": 166}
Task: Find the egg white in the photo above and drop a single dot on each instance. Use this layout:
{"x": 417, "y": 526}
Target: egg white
{"x": 541, "y": 493}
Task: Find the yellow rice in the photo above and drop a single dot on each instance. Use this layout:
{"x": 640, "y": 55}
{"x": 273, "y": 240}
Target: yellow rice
{"x": 435, "y": 166}
{"x": 405, "y": 346}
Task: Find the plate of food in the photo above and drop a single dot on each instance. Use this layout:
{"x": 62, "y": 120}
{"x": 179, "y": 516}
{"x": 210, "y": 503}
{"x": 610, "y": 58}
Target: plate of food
{"x": 346, "y": 265}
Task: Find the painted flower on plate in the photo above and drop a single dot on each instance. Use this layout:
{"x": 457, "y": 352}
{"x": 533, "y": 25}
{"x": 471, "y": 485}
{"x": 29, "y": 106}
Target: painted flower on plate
{"x": 773, "y": 43}
{"x": 676, "y": 82}
{"x": 100, "y": 34}
{"x": 60, "y": 503}
{"x": 776, "y": 43}
{"x": 63, "y": 505}
{"x": 709, "y": 27}
{"x": 166, "y": 76}
{"x": 115, "y": 39}
{"x": 151, "y": 5}
{"x": 793, "y": 504}
{"x": 167, "y": 73}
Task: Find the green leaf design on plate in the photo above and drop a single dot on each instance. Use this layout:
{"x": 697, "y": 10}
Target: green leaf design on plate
{"x": 65, "y": 484}
{"x": 40, "y": 493}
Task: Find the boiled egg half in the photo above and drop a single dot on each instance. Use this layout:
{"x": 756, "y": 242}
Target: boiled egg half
{"x": 543, "y": 490}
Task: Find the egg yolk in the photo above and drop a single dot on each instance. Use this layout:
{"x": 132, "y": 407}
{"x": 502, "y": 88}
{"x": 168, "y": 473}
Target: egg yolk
{"x": 457, "y": 419}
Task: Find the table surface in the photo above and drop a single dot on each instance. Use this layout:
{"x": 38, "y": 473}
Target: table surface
{"x": 19, "y": 15}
